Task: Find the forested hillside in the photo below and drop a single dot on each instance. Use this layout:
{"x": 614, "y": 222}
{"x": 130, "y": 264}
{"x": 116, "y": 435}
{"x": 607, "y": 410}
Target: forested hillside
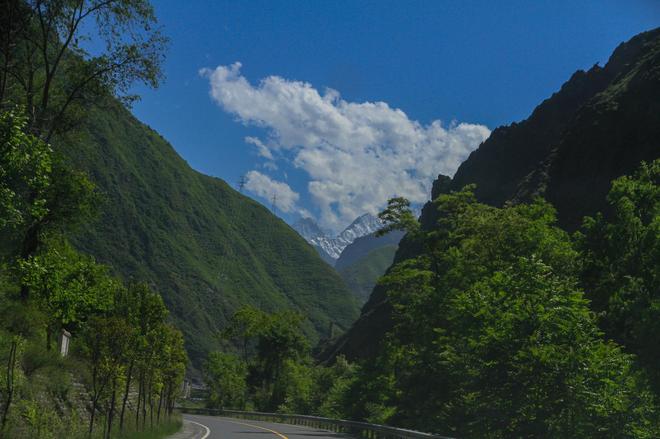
{"x": 524, "y": 301}
{"x": 84, "y": 352}
{"x": 599, "y": 126}
{"x": 204, "y": 246}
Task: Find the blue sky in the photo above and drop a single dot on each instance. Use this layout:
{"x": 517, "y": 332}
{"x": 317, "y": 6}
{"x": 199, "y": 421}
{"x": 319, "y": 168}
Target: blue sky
{"x": 454, "y": 68}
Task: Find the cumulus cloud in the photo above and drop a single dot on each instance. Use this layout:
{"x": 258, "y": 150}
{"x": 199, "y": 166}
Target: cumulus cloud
{"x": 262, "y": 149}
{"x": 357, "y": 155}
{"x": 285, "y": 198}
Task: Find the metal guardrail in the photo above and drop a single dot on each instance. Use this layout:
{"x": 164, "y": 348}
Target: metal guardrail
{"x": 354, "y": 428}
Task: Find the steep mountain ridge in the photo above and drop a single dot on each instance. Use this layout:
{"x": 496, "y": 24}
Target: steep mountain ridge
{"x": 590, "y": 126}
{"x": 206, "y": 248}
{"x": 600, "y": 125}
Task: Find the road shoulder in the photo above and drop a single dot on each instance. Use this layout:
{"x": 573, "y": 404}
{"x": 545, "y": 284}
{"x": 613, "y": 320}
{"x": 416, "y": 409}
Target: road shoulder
{"x": 191, "y": 430}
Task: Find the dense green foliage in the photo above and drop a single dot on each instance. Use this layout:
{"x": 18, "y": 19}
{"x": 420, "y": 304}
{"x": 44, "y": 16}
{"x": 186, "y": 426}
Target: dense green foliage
{"x": 493, "y": 337}
{"x": 273, "y": 370}
{"x": 227, "y": 375}
{"x": 621, "y": 265}
{"x": 600, "y": 125}
{"x": 25, "y": 170}
{"x": 271, "y": 347}
{"x": 68, "y": 286}
{"x": 120, "y": 335}
{"x": 493, "y": 333}
{"x": 45, "y": 67}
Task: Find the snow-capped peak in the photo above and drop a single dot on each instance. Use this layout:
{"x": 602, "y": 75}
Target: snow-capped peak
{"x": 333, "y": 246}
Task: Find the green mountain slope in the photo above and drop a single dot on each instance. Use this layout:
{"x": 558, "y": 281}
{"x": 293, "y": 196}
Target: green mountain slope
{"x": 204, "y": 246}
{"x": 364, "y": 245}
{"x": 599, "y": 126}
{"x": 361, "y": 276}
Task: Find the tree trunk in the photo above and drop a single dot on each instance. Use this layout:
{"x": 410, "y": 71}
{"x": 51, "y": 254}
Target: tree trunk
{"x": 151, "y": 404}
{"x": 139, "y": 400}
{"x": 29, "y": 247}
{"x": 11, "y": 367}
{"x": 144, "y": 404}
{"x": 125, "y": 399}
{"x": 91, "y": 418}
{"x": 168, "y": 396}
{"x": 49, "y": 336}
{"x": 111, "y": 410}
{"x": 160, "y": 403}
{"x": 95, "y": 398}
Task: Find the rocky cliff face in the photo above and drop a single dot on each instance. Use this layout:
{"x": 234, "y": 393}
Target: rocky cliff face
{"x": 597, "y": 127}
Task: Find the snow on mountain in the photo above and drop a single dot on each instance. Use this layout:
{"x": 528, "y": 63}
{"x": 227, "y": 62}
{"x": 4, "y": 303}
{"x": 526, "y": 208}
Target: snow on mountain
{"x": 333, "y": 246}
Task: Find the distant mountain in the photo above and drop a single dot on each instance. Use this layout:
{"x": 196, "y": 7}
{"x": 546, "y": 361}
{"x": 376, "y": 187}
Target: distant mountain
{"x": 205, "y": 247}
{"x": 364, "y": 261}
{"x": 331, "y": 247}
{"x": 364, "y": 245}
{"x": 597, "y": 127}
{"x": 308, "y": 229}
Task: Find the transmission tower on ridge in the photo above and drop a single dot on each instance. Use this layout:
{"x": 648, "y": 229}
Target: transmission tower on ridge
{"x": 273, "y": 203}
{"x": 241, "y": 183}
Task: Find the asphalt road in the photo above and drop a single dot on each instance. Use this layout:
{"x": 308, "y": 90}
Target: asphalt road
{"x": 216, "y": 427}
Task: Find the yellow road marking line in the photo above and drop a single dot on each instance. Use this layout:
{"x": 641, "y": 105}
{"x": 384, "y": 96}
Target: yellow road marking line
{"x": 257, "y": 426}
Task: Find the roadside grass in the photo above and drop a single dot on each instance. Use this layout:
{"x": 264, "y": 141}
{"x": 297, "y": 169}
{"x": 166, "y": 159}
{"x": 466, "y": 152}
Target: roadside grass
{"x": 163, "y": 430}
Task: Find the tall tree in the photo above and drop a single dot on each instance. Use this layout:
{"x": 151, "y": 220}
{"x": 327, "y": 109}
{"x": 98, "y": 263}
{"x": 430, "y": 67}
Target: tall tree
{"x": 26, "y": 165}
{"x": 493, "y": 338}
{"x": 621, "y": 264}
{"x": 68, "y": 286}
{"x": 57, "y": 56}
{"x": 38, "y": 192}
{"x": 105, "y": 347}
{"x": 226, "y": 376}
{"x": 279, "y": 341}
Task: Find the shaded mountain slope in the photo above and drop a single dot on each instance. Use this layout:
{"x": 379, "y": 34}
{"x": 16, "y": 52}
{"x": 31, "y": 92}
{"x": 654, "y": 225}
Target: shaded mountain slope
{"x": 361, "y": 276}
{"x": 206, "y": 248}
{"x": 364, "y": 245}
{"x": 599, "y": 126}
{"x": 365, "y": 260}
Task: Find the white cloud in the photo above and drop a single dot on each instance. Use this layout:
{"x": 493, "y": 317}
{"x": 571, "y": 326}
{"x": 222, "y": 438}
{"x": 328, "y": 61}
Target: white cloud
{"x": 357, "y": 155}
{"x": 285, "y": 198}
{"x": 271, "y": 166}
{"x": 262, "y": 149}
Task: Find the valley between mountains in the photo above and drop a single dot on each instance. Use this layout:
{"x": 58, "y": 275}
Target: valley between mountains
{"x": 521, "y": 299}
